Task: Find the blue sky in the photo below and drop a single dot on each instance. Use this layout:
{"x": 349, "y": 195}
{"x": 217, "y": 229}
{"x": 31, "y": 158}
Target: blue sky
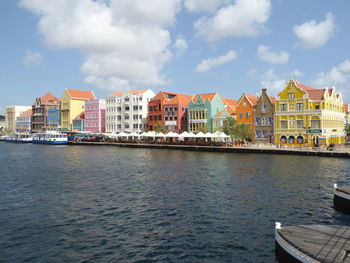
{"x": 186, "y": 46}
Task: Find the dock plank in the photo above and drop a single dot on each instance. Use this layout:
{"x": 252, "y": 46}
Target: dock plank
{"x": 327, "y": 244}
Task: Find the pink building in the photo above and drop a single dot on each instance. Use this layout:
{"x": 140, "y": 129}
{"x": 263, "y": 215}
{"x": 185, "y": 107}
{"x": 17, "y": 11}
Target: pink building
{"x": 95, "y": 115}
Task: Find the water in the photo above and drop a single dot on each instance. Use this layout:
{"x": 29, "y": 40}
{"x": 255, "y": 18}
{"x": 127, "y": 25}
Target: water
{"x": 110, "y": 204}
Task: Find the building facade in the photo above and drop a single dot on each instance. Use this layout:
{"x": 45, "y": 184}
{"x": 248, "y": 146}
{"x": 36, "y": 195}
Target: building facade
{"x": 127, "y": 111}
{"x": 54, "y": 116}
{"x": 72, "y": 104}
{"x": 308, "y": 116}
{"x": 40, "y": 111}
{"x": 170, "y": 110}
{"x": 264, "y": 112}
{"x": 2, "y": 123}
{"x": 202, "y": 109}
{"x": 245, "y": 111}
{"x": 219, "y": 118}
{"x": 11, "y": 113}
{"x": 95, "y": 115}
{"x": 23, "y": 122}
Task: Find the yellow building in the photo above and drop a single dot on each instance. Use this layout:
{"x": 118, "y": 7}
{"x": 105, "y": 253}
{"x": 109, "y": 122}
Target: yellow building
{"x": 72, "y": 104}
{"x": 309, "y": 117}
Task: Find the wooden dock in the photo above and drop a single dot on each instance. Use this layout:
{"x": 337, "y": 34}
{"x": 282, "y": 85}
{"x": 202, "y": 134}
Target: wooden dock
{"x": 313, "y": 243}
{"x": 341, "y": 198}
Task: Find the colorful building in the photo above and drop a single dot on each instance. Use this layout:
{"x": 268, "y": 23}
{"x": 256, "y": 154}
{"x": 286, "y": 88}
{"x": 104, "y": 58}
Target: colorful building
{"x": 228, "y": 112}
{"x": 127, "y": 111}
{"x": 40, "y": 111}
{"x": 11, "y": 113}
{"x": 2, "y": 122}
{"x": 308, "y": 116}
{"x": 264, "y": 111}
{"x": 202, "y": 110}
{"x": 170, "y": 110}
{"x": 72, "y": 104}
{"x": 245, "y": 111}
{"x": 78, "y": 123}
{"x": 347, "y": 115}
{"x": 54, "y": 116}
{"x": 23, "y": 122}
{"x": 95, "y": 115}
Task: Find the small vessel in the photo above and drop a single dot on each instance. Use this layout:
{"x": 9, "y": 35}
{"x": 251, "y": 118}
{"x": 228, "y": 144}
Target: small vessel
{"x": 312, "y": 244}
{"x": 341, "y": 198}
{"x": 19, "y": 138}
{"x": 54, "y": 138}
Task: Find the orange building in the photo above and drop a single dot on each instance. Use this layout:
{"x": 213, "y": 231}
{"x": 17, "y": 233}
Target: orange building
{"x": 168, "y": 109}
{"x": 245, "y": 111}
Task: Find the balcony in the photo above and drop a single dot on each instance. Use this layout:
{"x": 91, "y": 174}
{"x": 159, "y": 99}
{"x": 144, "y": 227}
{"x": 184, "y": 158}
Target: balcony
{"x": 198, "y": 121}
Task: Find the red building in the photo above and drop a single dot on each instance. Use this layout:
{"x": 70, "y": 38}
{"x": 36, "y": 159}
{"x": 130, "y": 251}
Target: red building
{"x": 168, "y": 109}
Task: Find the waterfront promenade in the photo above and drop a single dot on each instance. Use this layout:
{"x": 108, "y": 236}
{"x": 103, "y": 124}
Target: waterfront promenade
{"x": 340, "y": 152}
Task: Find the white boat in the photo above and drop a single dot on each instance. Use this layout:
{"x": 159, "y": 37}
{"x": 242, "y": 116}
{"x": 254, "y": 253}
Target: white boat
{"x": 19, "y": 138}
{"x": 54, "y": 138}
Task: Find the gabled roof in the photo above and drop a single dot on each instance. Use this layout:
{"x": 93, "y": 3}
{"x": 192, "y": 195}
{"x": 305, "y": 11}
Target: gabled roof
{"x": 48, "y": 98}
{"x": 26, "y": 113}
{"x": 273, "y": 99}
{"x": 204, "y": 96}
{"x": 314, "y": 94}
{"x": 346, "y": 107}
{"x": 252, "y": 99}
{"x": 301, "y": 86}
{"x": 80, "y": 94}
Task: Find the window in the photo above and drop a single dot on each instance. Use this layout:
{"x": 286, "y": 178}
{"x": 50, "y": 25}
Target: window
{"x": 135, "y": 107}
{"x": 270, "y": 120}
{"x": 264, "y": 133}
{"x": 175, "y": 108}
{"x": 170, "y": 108}
{"x": 291, "y": 96}
{"x": 241, "y": 115}
{"x": 315, "y": 124}
{"x": 283, "y": 107}
{"x": 159, "y": 117}
{"x": 244, "y": 104}
{"x": 183, "y": 108}
{"x": 300, "y": 124}
{"x": 257, "y": 121}
{"x": 151, "y": 118}
{"x": 126, "y": 126}
{"x": 257, "y": 133}
{"x": 119, "y": 109}
{"x": 165, "y": 108}
{"x": 263, "y": 108}
{"x": 263, "y": 121}
{"x": 248, "y": 115}
{"x": 150, "y": 108}
{"x": 300, "y": 106}
{"x": 127, "y": 108}
{"x": 126, "y": 117}
{"x": 317, "y": 107}
{"x": 175, "y": 118}
{"x": 166, "y": 118}
{"x": 126, "y": 99}
{"x": 140, "y": 107}
{"x": 284, "y": 124}
{"x": 171, "y": 118}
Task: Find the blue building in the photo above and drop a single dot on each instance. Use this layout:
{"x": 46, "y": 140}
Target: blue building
{"x": 79, "y": 122}
{"x": 53, "y": 117}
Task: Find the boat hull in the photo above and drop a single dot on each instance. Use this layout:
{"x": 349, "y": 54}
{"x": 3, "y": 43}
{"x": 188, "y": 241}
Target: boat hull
{"x": 51, "y": 142}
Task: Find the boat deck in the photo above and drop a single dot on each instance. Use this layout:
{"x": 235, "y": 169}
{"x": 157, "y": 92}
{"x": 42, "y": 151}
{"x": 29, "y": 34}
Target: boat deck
{"x": 344, "y": 189}
{"x": 326, "y": 244}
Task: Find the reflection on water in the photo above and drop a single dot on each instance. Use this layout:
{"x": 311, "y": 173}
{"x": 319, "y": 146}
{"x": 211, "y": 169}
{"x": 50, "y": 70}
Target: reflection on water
{"x": 109, "y": 204}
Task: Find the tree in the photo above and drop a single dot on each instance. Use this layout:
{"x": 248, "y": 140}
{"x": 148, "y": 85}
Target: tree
{"x": 160, "y": 128}
{"x": 347, "y": 129}
{"x": 243, "y": 131}
{"x": 230, "y": 127}
{"x": 203, "y": 129}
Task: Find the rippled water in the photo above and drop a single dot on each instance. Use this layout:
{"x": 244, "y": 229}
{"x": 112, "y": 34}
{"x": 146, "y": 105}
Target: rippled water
{"x": 110, "y": 204}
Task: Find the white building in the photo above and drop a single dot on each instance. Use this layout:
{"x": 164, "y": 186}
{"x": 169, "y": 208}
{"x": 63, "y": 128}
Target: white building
{"x": 127, "y": 111}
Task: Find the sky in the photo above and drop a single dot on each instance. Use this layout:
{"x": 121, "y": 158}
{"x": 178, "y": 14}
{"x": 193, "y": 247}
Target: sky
{"x": 184, "y": 46}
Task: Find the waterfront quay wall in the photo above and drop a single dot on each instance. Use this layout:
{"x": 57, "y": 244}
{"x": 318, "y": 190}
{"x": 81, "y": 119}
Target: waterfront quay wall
{"x": 223, "y": 149}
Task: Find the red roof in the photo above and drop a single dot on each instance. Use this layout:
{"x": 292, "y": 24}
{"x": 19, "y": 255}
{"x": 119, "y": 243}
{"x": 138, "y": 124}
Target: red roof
{"x": 81, "y": 94}
{"x": 231, "y": 102}
{"x": 273, "y": 99}
{"x": 303, "y": 87}
{"x": 346, "y": 107}
{"x": 179, "y": 99}
{"x": 135, "y": 91}
{"x": 49, "y": 98}
{"x": 116, "y": 94}
{"x": 231, "y": 110}
{"x": 252, "y": 98}
{"x": 314, "y": 94}
{"x": 204, "y": 96}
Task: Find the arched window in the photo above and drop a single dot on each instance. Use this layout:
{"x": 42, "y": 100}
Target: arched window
{"x": 300, "y": 139}
{"x": 291, "y": 139}
{"x": 283, "y": 139}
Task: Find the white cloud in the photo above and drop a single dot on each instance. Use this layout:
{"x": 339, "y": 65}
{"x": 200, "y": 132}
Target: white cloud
{"x": 313, "y": 35}
{"x": 203, "y": 5}
{"x": 243, "y": 18}
{"x": 181, "y": 45}
{"x": 297, "y": 73}
{"x": 125, "y": 42}
{"x": 32, "y": 58}
{"x": 208, "y": 64}
{"x": 272, "y": 82}
{"x": 252, "y": 73}
{"x": 264, "y": 53}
